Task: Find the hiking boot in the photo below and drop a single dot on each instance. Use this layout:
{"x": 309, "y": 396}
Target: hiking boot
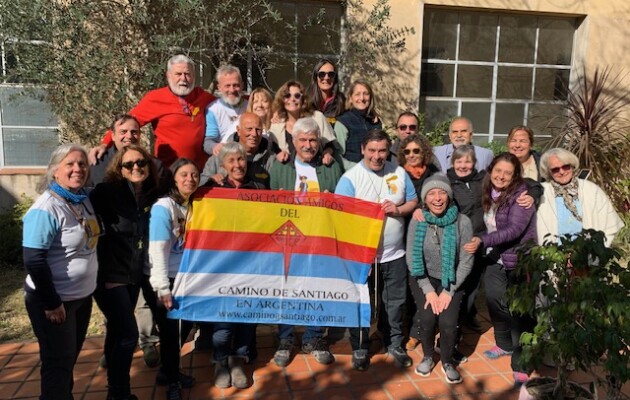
{"x": 318, "y": 348}
{"x": 151, "y": 356}
{"x": 185, "y": 381}
{"x": 400, "y": 356}
{"x": 412, "y": 343}
{"x": 360, "y": 360}
{"x": 283, "y": 354}
{"x": 425, "y": 367}
{"x": 451, "y": 374}
{"x": 222, "y": 376}
{"x": 173, "y": 392}
{"x": 102, "y": 362}
{"x": 237, "y": 374}
{"x": 496, "y": 352}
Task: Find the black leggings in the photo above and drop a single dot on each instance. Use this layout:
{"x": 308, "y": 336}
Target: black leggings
{"x": 446, "y": 321}
{"x": 169, "y": 331}
{"x": 59, "y": 344}
{"x": 118, "y": 305}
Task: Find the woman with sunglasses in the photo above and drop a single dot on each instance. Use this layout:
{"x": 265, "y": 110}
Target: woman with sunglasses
{"x": 59, "y": 246}
{"x": 123, "y": 202}
{"x": 353, "y": 125}
{"x": 570, "y": 204}
{"x": 509, "y": 226}
{"x": 291, "y": 104}
{"x": 324, "y": 91}
{"x": 415, "y": 156}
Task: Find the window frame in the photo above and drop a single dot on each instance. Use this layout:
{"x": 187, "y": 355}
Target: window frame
{"x": 495, "y": 64}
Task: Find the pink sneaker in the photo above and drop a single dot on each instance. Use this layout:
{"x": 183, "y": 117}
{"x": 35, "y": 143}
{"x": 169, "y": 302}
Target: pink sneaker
{"x": 496, "y": 352}
{"x": 520, "y": 378}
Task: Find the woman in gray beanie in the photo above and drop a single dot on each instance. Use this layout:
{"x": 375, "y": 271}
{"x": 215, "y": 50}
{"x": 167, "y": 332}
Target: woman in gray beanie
{"x": 439, "y": 265}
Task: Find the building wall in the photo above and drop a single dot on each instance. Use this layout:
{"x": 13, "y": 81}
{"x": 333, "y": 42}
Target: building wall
{"x": 600, "y": 41}
{"x": 14, "y": 184}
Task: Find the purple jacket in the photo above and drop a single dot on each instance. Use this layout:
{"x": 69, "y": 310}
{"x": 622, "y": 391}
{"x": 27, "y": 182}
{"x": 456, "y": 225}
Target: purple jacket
{"x": 515, "y": 225}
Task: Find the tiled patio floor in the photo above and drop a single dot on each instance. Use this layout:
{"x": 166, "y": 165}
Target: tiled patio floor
{"x": 302, "y": 379}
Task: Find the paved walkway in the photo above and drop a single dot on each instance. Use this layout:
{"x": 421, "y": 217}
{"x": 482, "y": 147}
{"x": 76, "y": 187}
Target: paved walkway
{"x": 302, "y": 379}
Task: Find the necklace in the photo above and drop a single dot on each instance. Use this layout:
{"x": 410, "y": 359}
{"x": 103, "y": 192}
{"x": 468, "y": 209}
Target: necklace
{"x": 380, "y": 189}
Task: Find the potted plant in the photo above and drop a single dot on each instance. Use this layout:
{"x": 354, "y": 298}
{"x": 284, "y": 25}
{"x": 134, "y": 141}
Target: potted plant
{"x": 579, "y": 294}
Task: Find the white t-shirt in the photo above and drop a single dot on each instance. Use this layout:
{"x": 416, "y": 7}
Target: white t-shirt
{"x": 391, "y": 183}
{"x": 305, "y": 178}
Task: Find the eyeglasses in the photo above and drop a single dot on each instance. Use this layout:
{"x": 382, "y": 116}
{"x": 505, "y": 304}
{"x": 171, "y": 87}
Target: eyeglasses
{"x": 296, "y": 96}
{"x": 409, "y": 151}
{"x": 322, "y": 74}
{"x": 404, "y": 127}
{"x": 564, "y": 168}
{"x": 141, "y": 163}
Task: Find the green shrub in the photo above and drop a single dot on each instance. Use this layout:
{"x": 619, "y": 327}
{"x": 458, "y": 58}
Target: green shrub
{"x": 11, "y": 233}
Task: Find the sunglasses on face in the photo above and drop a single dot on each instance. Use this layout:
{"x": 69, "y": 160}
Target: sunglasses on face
{"x": 564, "y": 168}
{"x": 323, "y": 74}
{"x": 409, "y": 151}
{"x": 404, "y": 127}
{"x": 140, "y": 163}
{"x": 296, "y": 96}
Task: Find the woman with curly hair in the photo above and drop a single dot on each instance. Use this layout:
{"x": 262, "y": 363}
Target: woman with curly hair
{"x": 415, "y": 155}
{"x": 289, "y": 105}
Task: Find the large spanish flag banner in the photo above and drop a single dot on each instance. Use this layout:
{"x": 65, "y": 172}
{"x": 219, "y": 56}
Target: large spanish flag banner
{"x": 277, "y": 257}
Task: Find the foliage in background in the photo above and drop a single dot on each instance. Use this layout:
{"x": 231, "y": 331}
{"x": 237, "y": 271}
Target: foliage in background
{"x": 374, "y": 51}
{"x": 496, "y": 146}
{"x": 578, "y": 292}
{"x": 98, "y": 58}
{"x": 597, "y": 132}
{"x": 11, "y": 233}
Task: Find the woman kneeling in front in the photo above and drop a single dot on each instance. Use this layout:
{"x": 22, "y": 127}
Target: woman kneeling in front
{"x": 439, "y": 264}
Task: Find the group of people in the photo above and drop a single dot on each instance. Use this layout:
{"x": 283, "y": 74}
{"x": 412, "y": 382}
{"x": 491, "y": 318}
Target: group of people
{"x": 455, "y": 215}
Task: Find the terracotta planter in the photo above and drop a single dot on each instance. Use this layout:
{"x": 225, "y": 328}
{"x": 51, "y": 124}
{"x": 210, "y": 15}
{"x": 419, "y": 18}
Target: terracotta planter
{"x": 542, "y": 389}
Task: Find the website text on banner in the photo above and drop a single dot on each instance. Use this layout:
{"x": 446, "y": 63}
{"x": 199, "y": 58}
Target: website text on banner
{"x": 277, "y": 257}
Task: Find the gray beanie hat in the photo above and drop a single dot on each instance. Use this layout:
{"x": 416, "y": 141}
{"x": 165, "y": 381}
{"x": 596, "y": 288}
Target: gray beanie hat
{"x": 439, "y": 181}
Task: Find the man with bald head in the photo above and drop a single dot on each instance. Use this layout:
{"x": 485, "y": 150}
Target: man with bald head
{"x": 460, "y": 133}
{"x": 259, "y": 152}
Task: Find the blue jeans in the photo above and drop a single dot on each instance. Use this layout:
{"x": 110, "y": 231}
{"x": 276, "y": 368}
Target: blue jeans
{"x": 311, "y": 333}
{"x": 118, "y": 305}
{"x": 243, "y": 335}
{"x": 59, "y": 344}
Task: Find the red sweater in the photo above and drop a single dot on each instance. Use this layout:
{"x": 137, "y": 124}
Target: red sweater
{"x": 179, "y": 124}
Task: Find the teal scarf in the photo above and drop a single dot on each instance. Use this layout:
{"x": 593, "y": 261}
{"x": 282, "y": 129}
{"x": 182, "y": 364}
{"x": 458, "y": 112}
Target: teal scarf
{"x": 449, "y": 248}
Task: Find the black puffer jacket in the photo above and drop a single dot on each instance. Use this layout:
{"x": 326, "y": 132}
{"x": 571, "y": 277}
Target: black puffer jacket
{"x": 122, "y": 251}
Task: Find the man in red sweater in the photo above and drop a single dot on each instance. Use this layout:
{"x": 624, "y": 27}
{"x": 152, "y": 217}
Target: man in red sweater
{"x": 177, "y": 114}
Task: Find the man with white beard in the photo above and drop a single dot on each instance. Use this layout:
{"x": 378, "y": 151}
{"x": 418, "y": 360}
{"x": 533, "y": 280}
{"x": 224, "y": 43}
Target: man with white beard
{"x": 176, "y": 113}
{"x": 222, "y": 114}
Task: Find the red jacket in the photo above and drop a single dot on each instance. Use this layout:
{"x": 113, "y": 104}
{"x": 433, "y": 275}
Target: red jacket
{"x": 179, "y": 124}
